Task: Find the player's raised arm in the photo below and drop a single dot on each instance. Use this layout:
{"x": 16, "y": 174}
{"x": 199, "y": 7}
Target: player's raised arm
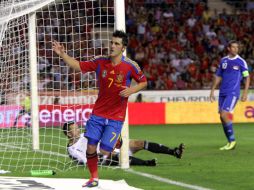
{"x": 60, "y": 50}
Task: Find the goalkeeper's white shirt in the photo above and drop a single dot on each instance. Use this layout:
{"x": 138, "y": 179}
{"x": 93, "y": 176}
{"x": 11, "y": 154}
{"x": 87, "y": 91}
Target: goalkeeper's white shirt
{"x": 77, "y": 151}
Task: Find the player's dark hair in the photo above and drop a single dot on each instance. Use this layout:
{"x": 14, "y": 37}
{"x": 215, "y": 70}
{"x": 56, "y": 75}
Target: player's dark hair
{"x": 66, "y": 127}
{"x": 232, "y": 42}
{"x": 121, "y": 34}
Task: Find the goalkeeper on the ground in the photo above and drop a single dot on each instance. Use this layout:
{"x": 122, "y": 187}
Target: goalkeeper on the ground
{"x": 76, "y": 148}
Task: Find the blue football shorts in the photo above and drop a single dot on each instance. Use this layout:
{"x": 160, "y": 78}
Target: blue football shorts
{"x": 105, "y": 131}
{"x": 227, "y": 103}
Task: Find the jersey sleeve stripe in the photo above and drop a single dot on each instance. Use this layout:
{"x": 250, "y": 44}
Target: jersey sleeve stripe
{"x": 132, "y": 63}
{"x": 244, "y": 62}
{"x": 97, "y": 58}
{"x": 142, "y": 76}
{"x": 136, "y": 69}
{"x": 128, "y": 81}
{"x": 98, "y": 69}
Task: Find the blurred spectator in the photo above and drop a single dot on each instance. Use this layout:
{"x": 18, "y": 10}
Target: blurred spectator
{"x": 177, "y": 33}
{"x": 2, "y": 97}
{"x": 97, "y": 41}
{"x": 180, "y": 84}
{"x": 177, "y": 43}
{"x": 139, "y": 98}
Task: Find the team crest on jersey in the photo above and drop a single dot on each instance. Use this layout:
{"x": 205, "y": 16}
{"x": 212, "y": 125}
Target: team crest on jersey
{"x": 119, "y": 78}
{"x": 104, "y": 73}
{"x": 224, "y": 65}
{"x": 236, "y": 67}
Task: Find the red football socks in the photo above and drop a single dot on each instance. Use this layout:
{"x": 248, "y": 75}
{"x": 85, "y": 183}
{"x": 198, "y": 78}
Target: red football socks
{"x": 92, "y": 164}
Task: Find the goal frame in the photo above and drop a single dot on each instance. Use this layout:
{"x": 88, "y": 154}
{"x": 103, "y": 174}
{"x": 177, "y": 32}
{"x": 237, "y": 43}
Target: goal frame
{"x": 120, "y": 25}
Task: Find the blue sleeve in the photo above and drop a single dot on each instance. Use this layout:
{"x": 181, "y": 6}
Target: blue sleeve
{"x": 244, "y": 68}
{"x": 219, "y": 70}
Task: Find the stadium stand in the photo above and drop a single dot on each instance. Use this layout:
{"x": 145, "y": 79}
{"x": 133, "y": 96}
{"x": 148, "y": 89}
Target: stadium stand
{"x": 177, "y": 43}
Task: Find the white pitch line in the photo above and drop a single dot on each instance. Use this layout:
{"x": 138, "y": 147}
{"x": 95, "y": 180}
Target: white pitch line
{"x": 168, "y": 181}
{"x": 54, "y": 153}
{"x": 154, "y": 177}
{"x": 13, "y": 146}
{"x": 40, "y": 151}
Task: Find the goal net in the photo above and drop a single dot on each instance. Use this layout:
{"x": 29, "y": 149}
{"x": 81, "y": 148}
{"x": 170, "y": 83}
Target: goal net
{"x": 84, "y": 27}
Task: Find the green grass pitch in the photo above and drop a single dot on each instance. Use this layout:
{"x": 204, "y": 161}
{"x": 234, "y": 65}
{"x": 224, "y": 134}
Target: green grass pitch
{"x": 203, "y": 164}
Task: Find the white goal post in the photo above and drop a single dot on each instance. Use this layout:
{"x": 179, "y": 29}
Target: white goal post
{"x": 120, "y": 25}
{"x": 33, "y": 76}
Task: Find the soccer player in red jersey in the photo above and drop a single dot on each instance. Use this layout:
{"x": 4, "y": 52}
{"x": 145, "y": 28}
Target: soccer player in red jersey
{"x": 114, "y": 74}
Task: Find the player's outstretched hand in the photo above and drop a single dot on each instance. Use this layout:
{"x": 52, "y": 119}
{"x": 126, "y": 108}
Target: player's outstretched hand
{"x": 126, "y": 92}
{"x": 58, "y": 48}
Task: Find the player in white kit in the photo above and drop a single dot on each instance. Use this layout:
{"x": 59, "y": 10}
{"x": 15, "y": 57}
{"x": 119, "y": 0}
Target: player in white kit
{"x": 76, "y": 148}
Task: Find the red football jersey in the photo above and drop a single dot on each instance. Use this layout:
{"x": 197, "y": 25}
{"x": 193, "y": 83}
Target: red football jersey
{"x": 112, "y": 80}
